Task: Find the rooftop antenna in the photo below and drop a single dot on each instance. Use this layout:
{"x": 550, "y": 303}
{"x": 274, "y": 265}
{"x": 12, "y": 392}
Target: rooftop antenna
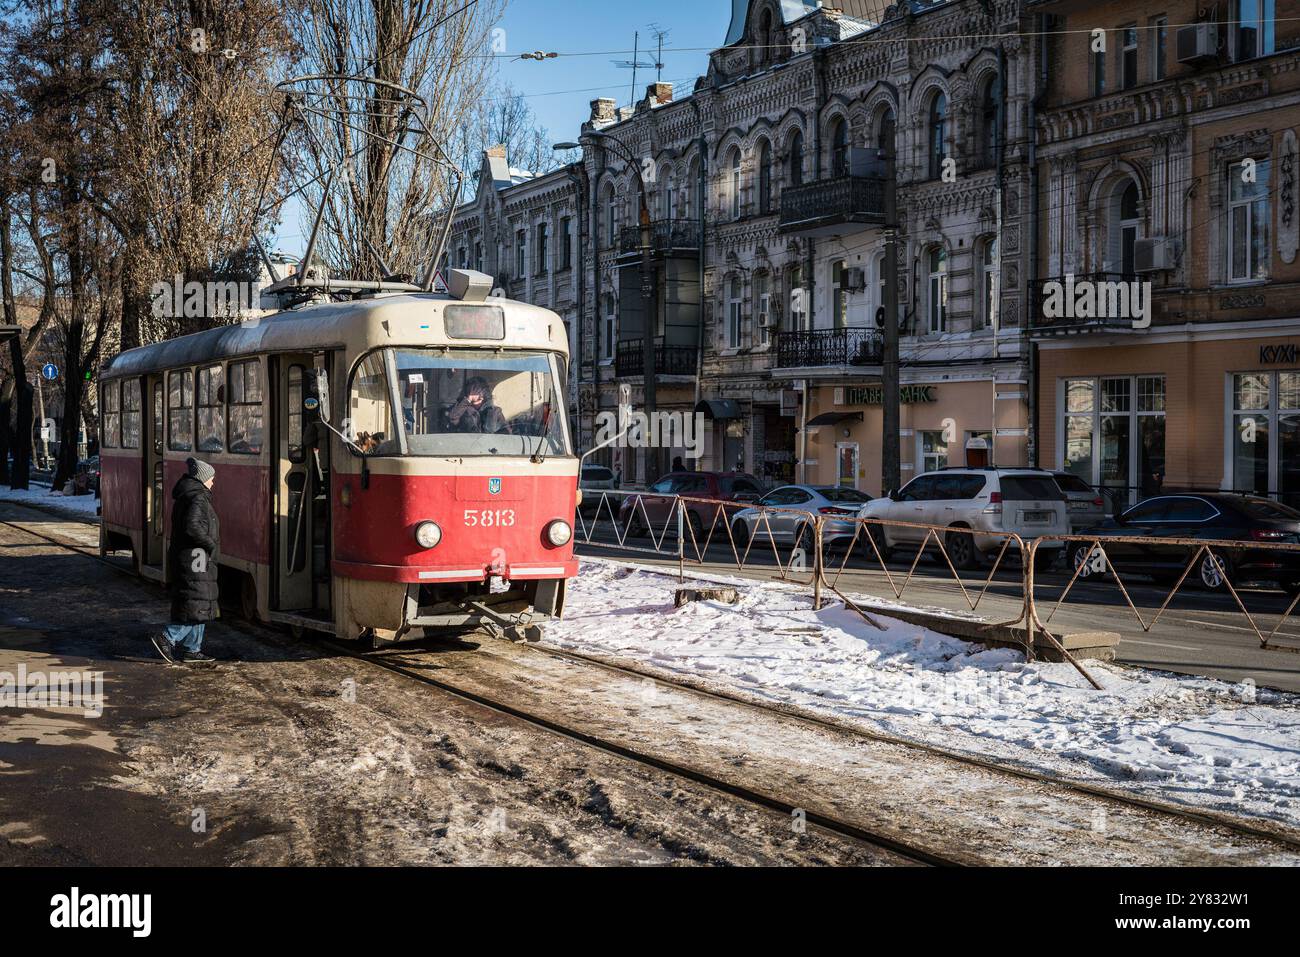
{"x": 635, "y": 63}
{"x": 660, "y": 33}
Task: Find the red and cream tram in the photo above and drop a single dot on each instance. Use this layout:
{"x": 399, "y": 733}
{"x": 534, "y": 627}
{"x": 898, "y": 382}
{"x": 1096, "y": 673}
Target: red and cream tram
{"x": 441, "y": 496}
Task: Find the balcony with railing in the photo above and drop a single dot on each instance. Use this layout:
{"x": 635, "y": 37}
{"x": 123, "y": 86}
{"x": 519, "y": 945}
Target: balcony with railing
{"x": 668, "y": 237}
{"x": 833, "y": 207}
{"x": 847, "y": 349}
{"x": 629, "y": 360}
{"x": 1092, "y": 303}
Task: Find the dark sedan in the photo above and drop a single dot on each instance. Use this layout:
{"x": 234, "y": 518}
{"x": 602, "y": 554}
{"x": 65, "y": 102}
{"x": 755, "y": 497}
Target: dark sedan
{"x": 1212, "y": 518}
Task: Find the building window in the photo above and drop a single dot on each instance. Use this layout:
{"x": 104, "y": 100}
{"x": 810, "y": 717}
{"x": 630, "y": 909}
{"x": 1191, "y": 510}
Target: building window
{"x": 733, "y": 313}
{"x": 1123, "y": 225}
{"x": 1265, "y": 439}
{"x": 543, "y": 249}
{"x": 611, "y": 220}
{"x": 989, "y": 132}
{"x": 937, "y": 288}
{"x": 765, "y": 178}
{"x": 566, "y": 242}
{"x": 1114, "y": 431}
{"x": 933, "y": 451}
{"x": 886, "y": 134}
{"x": 763, "y": 303}
{"x": 1128, "y": 57}
{"x": 212, "y": 411}
{"x": 840, "y": 149}
{"x": 734, "y": 193}
{"x": 796, "y": 158}
{"x": 1159, "y": 46}
{"x": 131, "y": 418}
{"x": 611, "y": 305}
{"x": 111, "y": 436}
{"x": 246, "y": 432}
{"x": 989, "y": 282}
{"x": 839, "y": 295}
{"x": 521, "y": 253}
{"x": 938, "y": 133}
{"x": 798, "y": 299}
{"x": 1247, "y": 223}
{"x": 180, "y": 411}
{"x": 478, "y": 256}
{"x": 1254, "y": 22}
{"x": 1098, "y": 70}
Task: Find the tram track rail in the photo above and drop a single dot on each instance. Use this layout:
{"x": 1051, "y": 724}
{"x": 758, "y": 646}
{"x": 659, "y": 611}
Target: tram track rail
{"x": 908, "y": 851}
{"x": 1246, "y": 829}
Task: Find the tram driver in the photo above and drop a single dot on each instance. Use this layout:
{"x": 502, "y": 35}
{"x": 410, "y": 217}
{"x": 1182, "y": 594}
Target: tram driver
{"x": 475, "y": 411}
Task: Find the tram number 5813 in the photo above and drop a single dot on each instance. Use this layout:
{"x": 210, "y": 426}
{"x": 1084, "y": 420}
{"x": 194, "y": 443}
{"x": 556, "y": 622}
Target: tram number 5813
{"x": 490, "y": 517}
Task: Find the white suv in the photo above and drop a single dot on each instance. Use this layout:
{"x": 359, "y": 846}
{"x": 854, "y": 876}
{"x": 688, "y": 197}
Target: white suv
{"x": 1027, "y": 502}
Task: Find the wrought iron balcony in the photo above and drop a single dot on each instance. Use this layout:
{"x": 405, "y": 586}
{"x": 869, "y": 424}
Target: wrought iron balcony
{"x": 819, "y": 348}
{"x": 832, "y": 207}
{"x": 669, "y": 360}
{"x": 667, "y": 237}
{"x": 1094, "y": 302}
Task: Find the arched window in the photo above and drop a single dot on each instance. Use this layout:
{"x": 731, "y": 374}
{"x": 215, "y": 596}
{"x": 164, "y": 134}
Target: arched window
{"x": 938, "y": 133}
{"x": 989, "y": 130}
{"x": 796, "y": 158}
{"x": 690, "y": 187}
{"x": 840, "y": 149}
{"x": 734, "y": 166}
{"x": 764, "y": 178}
{"x": 989, "y": 282}
{"x": 611, "y": 218}
{"x": 936, "y": 259}
{"x": 765, "y": 36}
{"x": 886, "y": 131}
{"x": 1122, "y": 227}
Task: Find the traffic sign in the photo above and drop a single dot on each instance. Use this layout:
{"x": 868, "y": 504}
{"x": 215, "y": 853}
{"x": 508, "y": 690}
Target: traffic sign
{"x": 50, "y": 370}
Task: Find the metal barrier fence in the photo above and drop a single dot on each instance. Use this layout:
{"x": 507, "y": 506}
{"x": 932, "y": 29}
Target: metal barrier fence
{"x": 818, "y": 552}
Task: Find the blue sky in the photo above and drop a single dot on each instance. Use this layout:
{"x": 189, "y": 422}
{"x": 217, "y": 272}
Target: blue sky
{"x": 603, "y": 29}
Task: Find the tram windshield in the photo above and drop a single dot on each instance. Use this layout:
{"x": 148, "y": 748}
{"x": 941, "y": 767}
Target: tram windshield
{"x": 417, "y": 401}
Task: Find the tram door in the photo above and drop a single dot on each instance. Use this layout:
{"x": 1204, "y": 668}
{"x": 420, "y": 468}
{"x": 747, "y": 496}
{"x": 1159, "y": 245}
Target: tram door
{"x": 154, "y": 483}
{"x": 302, "y": 490}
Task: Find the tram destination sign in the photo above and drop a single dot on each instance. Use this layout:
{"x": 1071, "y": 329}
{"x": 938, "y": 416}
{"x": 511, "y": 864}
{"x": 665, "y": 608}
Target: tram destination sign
{"x": 874, "y": 395}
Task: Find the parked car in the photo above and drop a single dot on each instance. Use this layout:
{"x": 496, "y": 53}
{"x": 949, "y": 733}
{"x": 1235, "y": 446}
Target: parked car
{"x": 1212, "y": 517}
{"x": 1084, "y": 503}
{"x": 806, "y": 503}
{"x": 1027, "y": 502}
{"x": 656, "y": 504}
{"x": 594, "y": 480}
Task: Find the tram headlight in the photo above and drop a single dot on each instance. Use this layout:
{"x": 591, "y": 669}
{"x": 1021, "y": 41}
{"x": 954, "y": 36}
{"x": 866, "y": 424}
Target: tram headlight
{"x": 427, "y": 534}
{"x": 559, "y": 532}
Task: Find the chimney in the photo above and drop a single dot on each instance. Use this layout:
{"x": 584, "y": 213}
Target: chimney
{"x": 659, "y": 93}
{"x": 602, "y": 110}
{"x": 498, "y": 151}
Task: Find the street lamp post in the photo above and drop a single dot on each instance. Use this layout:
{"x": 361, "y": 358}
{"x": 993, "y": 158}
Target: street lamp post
{"x": 620, "y": 149}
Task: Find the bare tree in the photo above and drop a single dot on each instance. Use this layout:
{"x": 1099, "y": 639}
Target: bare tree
{"x": 504, "y": 118}
{"x": 394, "y": 181}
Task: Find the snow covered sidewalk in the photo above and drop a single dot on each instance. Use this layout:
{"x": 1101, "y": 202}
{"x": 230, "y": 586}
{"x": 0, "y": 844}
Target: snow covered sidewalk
{"x": 81, "y": 507}
{"x": 1198, "y": 741}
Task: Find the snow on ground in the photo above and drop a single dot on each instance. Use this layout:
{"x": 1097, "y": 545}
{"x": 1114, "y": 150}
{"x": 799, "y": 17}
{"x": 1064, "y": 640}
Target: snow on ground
{"x": 81, "y": 507}
{"x": 1194, "y": 740}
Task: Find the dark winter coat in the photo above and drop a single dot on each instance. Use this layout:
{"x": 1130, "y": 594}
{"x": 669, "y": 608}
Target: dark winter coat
{"x": 192, "y": 553}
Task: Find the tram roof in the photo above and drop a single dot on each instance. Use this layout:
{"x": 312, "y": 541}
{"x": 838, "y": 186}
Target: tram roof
{"x": 360, "y": 323}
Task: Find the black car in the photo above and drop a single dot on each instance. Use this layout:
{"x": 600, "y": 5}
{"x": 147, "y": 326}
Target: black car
{"x": 1210, "y": 517}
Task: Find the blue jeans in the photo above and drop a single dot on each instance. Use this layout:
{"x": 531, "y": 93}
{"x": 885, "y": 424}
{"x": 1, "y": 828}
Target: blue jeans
{"x": 188, "y": 637}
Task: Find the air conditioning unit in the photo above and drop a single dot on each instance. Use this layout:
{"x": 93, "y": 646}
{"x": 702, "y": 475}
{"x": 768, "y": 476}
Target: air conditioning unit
{"x": 1152, "y": 255}
{"x": 1198, "y": 42}
{"x": 855, "y": 279}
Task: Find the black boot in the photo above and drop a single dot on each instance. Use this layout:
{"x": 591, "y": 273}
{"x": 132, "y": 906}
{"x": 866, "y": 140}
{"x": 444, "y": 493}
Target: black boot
{"x": 170, "y": 653}
{"x": 196, "y": 658}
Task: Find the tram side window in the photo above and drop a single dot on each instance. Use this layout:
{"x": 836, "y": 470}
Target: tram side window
{"x": 294, "y": 437}
{"x": 371, "y": 412}
{"x": 212, "y": 409}
{"x": 246, "y": 407}
{"x": 131, "y": 414}
{"x": 157, "y": 418}
{"x": 112, "y": 415}
{"x": 180, "y": 411}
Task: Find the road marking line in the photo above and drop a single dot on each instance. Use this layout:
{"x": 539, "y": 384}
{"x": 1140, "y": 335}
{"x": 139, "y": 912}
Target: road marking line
{"x": 1162, "y": 644}
{"x": 1210, "y": 624}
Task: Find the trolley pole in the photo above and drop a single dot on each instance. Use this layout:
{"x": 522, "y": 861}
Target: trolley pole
{"x": 890, "y": 467}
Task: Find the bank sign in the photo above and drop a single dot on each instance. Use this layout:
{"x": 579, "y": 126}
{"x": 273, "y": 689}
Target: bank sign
{"x": 874, "y": 395}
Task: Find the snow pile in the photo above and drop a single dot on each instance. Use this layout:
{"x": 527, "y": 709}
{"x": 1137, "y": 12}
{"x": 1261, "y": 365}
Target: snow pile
{"x": 73, "y": 506}
{"x": 1195, "y": 740}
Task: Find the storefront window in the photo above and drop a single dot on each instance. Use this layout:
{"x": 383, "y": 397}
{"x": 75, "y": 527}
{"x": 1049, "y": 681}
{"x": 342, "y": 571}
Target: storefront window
{"x": 1114, "y": 435}
{"x": 934, "y": 451}
{"x": 848, "y": 465}
{"x": 1266, "y": 434}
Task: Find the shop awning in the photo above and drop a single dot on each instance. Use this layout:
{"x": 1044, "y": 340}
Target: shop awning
{"x": 834, "y": 418}
{"x": 718, "y": 408}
